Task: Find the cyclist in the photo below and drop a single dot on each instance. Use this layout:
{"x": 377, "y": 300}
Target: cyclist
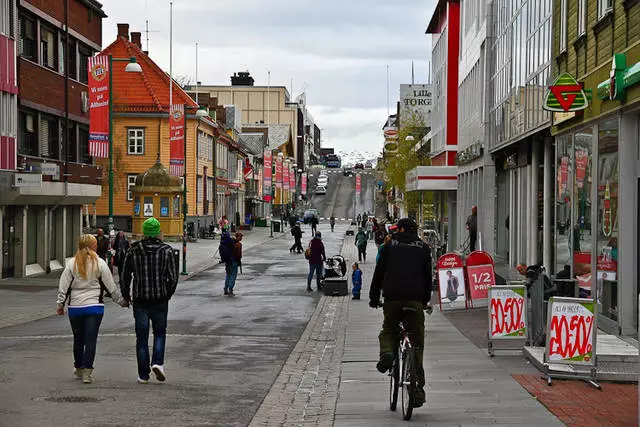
{"x": 403, "y": 274}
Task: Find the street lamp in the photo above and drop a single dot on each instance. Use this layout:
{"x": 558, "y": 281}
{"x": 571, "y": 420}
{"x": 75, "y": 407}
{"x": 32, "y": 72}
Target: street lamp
{"x": 132, "y": 67}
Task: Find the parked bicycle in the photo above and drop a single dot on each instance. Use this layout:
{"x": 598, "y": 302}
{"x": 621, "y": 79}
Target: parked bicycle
{"x": 402, "y": 375}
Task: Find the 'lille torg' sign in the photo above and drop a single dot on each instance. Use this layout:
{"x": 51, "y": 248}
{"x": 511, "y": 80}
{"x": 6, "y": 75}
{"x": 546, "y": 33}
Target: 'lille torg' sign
{"x": 565, "y": 95}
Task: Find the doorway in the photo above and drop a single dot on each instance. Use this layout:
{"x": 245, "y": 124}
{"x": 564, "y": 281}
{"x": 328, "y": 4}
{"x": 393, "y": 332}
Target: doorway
{"x": 8, "y": 242}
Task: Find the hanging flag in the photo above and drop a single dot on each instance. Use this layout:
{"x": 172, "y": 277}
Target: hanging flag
{"x": 304, "y": 184}
{"x": 247, "y": 170}
{"x": 266, "y": 176}
{"x": 358, "y": 183}
{"x": 279, "y": 172}
{"x": 99, "y": 99}
{"x": 285, "y": 176}
{"x": 176, "y": 140}
{"x": 292, "y": 179}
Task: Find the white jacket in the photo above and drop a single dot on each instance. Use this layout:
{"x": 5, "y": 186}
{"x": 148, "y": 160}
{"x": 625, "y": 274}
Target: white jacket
{"x": 86, "y": 292}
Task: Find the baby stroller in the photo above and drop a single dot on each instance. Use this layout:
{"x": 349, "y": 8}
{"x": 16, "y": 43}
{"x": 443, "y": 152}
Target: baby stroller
{"x": 335, "y": 281}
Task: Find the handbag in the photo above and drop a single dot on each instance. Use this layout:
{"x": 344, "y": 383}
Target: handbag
{"x": 307, "y": 252}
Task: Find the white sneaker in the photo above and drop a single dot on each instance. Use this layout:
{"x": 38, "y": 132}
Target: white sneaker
{"x": 158, "y": 370}
{"x": 77, "y": 373}
{"x": 141, "y": 381}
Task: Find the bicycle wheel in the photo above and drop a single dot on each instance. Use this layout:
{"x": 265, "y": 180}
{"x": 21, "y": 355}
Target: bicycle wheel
{"x": 394, "y": 384}
{"x": 408, "y": 378}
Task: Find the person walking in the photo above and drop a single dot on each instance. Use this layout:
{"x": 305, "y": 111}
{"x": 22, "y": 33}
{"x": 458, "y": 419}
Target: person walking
{"x": 236, "y": 264}
{"x": 314, "y": 224}
{"x": 121, "y": 246}
{"x": 370, "y": 229}
{"x": 379, "y": 234}
{"x": 356, "y": 281}
{"x": 149, "y": 280}
{"x": 403, "y": 275}
{"x": 228, "y": 257}
{"x": 296, "y": 232}
{"x": 472, "y": 226}
{"x": 332, "y": 222}
{"x": 103, "y": 244}
{"x": 361, "y": 243}
{"x": 79, "y": 285}
{"x": 316, "y": 256}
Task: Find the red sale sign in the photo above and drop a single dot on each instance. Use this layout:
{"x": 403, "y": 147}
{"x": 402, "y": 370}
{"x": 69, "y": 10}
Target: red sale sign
{"x": 481, "y": 278}
{"x": 99, "y": 99}
{"x": 507, "y": 312}
{"x": 571, "y": 331}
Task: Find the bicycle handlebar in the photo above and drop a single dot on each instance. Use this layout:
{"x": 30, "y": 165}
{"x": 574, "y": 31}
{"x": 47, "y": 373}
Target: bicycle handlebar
{"x": 428, "y": 309}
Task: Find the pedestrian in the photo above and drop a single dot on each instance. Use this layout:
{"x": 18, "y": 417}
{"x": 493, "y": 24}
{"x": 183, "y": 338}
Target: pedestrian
{"x": 237, "y": 257}
{"x": 472, "y": 226}
{"x": 403, "y": 275}
{"x": 356, "y": 280}
{"x": 316, "y": 256}
{"x": 332, "y": 222}
{"x": 121, "y": 246}
{"x": 228, "y": 256}
{"x": 150, "y": 279}
{"x": 386, "y": 240}
{"x": 296, "y": 232}
{"x": 361, "y": 243}
{"x": 379, "y": 234}
{"x": 103, "y": 244}
{"x": 314, "y": 225}
{"x": 80, "y": 285}
{"x": 359, "y": 219}
{"x": 293, "y": 220}
{"x": 370, "y": 229}
{"x": 224, "y": 223}
{"x": 365, "y": 219}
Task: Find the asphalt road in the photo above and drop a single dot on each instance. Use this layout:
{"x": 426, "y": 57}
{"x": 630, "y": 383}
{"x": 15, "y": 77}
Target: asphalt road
{"x": 222, "y": 356}
{"x": 339, "y": 200}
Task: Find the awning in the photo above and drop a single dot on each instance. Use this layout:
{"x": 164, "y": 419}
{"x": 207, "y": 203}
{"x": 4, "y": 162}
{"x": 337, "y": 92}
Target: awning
{"x": 432, "y": 178}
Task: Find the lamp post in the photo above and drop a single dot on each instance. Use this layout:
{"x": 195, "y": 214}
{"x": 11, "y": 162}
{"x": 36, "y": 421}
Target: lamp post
{"x": 132, "y": 67}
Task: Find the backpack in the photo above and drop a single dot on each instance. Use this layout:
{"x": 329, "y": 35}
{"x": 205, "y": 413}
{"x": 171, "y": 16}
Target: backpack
{"x": 226, "y": 248}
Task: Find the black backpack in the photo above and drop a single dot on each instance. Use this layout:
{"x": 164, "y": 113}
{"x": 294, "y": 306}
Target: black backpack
{"x": 226, "y": 248}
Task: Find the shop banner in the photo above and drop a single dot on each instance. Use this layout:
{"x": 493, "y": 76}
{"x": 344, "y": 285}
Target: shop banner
{"x": 279, "y": 172}
{"x": 266, "y": 176}
{"x": 176, "y": 140}
{"x": 581, "y": 167}
{"x": 451, "y": 280}
{"x": 260, "y": 183}
{"x": 571, "y": 331}
{"x": 292, "y": 179}
{"x": 358, "y": 183}
{"x": 285, "y": 175}
{"x": 304, "y": 184}
{"x": 99, "y": 99}
{"x": 507, "y": 312}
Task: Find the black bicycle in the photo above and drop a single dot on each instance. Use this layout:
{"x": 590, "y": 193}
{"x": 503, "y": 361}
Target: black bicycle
{"x": 403, "y": 373}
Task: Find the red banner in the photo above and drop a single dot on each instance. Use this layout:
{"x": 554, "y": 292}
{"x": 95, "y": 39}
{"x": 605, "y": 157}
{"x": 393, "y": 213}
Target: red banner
{"x": 285, "y": 175}
{"x": 99, "y": 99}
{"x": 304, "y": 184}
{"x": 247, "y": 170}
{"x": 358, "y": 183}
{"x": 292, "y": 180}
{"x": 176, "y": 139}
{"x": 278, "y": 172}
{"x": 266, "y": 176}
{"x": 481, "y": 278}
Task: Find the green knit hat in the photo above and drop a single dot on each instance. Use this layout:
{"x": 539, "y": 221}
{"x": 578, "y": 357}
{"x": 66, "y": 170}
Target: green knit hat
{"x": 151, "y": 227}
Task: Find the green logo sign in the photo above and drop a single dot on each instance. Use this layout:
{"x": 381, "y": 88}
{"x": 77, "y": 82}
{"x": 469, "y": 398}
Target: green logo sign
{"x": 565, "y": 95}
{"x": 620, "y": 78}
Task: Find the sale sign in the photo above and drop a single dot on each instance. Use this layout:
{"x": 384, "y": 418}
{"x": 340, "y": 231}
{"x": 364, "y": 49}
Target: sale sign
{"x": 481, "y": 278}
{"x": 571, "y": 331}
{"x": 507, "y": 312}
{"x": 99, "y": 99}
{"x": 451, "y": 279}
{"x": 176, "y": 139}
{"x": 266, "y": 176}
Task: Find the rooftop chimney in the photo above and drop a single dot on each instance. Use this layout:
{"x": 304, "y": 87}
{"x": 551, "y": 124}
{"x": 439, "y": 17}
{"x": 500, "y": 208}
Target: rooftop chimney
{"x": 123, "y": 31}
{"x": 135, "y": 39}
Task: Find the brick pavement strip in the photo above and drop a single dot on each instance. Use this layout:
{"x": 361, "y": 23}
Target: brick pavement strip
{"x": 306, "y": 391}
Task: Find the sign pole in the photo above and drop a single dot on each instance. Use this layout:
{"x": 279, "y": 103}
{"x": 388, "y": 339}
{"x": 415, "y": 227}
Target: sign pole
{"x": 110, "y": 223}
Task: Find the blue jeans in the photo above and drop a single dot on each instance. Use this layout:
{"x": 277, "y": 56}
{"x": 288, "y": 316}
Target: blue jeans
{"x": 156, "y": 312}
{"x": 317, "y": 268}
{"x": 231, "y": 269}
{"x": 85, "y": 337}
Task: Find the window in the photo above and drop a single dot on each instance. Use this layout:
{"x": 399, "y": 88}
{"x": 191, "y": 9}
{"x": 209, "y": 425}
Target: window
{"x": 27, "y": 136}
{"x": 72, "y": 59}
{"x": 48, "y": 48}
{"x": 199, "y": 189}
{"x": 210, "y": 195}
{"x": 84, "y": 53}
{"x": 604, "y": 7}
{"x": 83, "y": 144}
{"x": 164, "y": 207}
{"x": 27, "y": 44}
{"x": 49, "y": 137}
{"x": 135, "y": 138}
{"x": 131, "y": 182}
{"x": 563, "y": 25}
{"x": 582, "y": 17}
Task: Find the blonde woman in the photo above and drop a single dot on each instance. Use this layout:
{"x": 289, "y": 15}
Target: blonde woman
{"x": 80, "y": 287}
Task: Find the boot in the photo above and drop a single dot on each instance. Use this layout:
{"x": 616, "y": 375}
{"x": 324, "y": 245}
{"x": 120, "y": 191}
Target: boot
{"x": 86, "y": 376}
{"x": 77, "y": 373}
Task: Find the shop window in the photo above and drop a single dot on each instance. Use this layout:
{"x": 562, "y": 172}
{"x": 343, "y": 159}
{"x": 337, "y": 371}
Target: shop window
{"x": 136, "y": 206}
{"x": 607, "y": 232}
{"x": 564, "y": 244}
{"x": 135, "y": 138}
{"x": 581, "y": 237}
{"x": 176, "y": 206}
{"x": 27, "y": 43}
{"x": 131, "y": 182}
{"x": 164, "y": 207}
{"x": 48, "y": 48}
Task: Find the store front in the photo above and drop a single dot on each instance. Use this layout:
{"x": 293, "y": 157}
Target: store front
{"x": 597, "y": 198}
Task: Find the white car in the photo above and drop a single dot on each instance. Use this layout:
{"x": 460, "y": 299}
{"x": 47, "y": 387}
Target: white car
{"x": 321, "y": 189}
{"x": 323, "y": 181}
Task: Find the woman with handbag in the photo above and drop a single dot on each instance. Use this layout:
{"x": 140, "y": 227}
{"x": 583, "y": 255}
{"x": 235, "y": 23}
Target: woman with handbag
{"x": 316, "y": 256}
{"x": 80, "y": 285}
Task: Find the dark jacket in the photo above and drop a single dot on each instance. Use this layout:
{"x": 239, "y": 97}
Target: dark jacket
{"x": 152, "y": 268}
{"x": 404, "y": 270}
{"x": 103, "y": 246}
{"x": 296, "y": 232}
{"x": 317, "y": 251}
{"x": 472, "y": 223}
{"x": 361, "y": 240}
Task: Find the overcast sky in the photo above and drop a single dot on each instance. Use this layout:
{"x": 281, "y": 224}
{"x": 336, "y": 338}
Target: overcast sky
{"x": 335, "y": 50}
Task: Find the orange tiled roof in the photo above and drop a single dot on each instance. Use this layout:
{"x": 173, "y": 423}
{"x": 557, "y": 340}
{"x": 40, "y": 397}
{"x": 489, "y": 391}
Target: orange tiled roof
{"x": 142, "y": 92}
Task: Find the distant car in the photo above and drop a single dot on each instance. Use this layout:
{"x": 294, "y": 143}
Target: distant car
{"x": 323, "y": 180}
{"x": 347, "y": 172}
{"x": 368, "y": 165}
{"x": 308, "y": 214}
{"x": 358, "y": 166}
{"x": 321, "y": 189}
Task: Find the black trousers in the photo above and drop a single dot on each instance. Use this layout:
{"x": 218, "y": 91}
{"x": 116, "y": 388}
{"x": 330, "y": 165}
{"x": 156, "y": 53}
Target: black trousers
{"x": 297, "y": 246}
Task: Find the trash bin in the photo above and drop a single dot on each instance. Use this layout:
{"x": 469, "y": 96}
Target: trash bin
{"x": 276, "y": 226}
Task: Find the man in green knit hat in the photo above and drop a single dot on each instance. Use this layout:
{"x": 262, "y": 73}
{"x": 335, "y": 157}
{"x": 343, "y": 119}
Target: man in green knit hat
{"x": 150, "y": 265}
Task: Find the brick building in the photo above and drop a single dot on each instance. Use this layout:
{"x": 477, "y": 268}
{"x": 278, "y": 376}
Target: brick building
{"x": 43, "y": 191}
